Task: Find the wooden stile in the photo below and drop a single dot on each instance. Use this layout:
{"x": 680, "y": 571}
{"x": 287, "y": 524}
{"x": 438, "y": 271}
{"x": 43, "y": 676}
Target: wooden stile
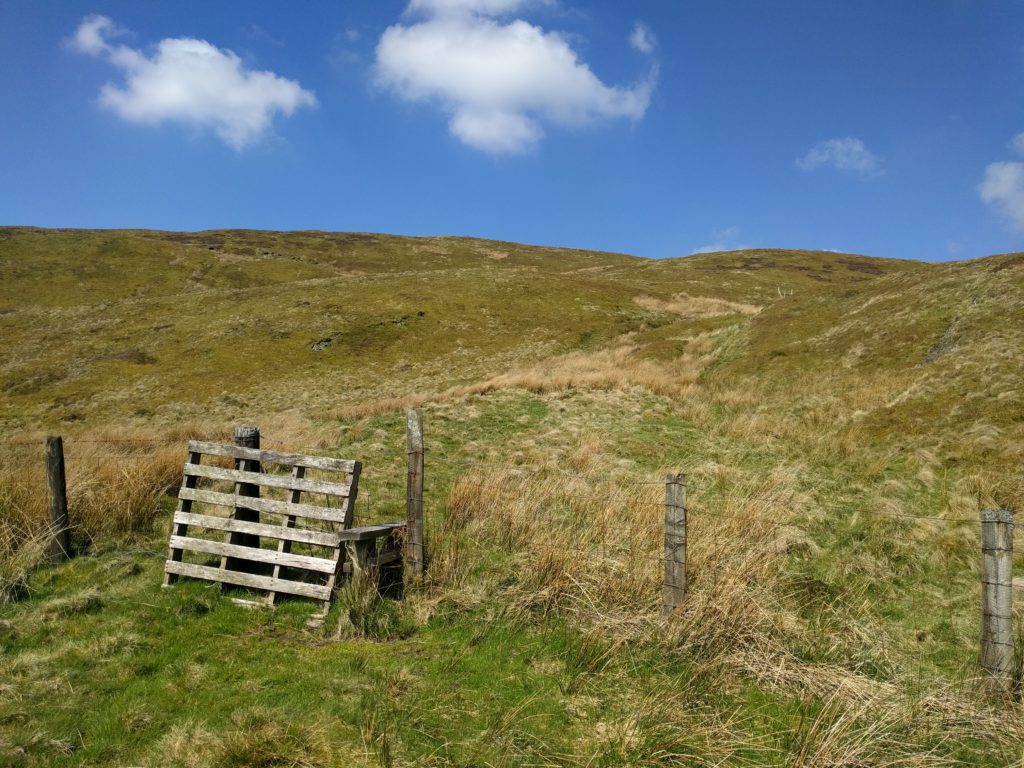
{"x": 258, "y": 553}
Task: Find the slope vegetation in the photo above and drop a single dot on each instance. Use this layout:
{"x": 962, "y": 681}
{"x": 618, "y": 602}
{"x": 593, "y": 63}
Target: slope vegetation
{"x": 841, "y": 419}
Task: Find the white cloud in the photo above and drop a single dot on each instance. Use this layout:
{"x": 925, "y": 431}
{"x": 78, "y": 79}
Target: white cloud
{"x": 1003, "y": 186}
{"x": 642, "y": 38}
{"x": 499, "y": 82}
{"x": 192, "y": 82}
{"x": 846, "y": 154}
{"x": 92, "y": 34}
{"x": 723, "y": 240}
{"x": 1017, "y": 143}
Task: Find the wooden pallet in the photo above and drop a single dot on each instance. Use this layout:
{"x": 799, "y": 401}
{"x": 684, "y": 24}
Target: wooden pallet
{"x": 267, "y": 497}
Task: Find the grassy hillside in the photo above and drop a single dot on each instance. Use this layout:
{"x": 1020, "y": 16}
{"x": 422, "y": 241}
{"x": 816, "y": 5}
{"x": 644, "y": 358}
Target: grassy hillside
{"x": 222, "y": 323}
{"x": 838, "y": 417}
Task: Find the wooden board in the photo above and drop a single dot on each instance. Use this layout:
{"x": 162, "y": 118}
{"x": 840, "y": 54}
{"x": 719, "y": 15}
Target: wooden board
{"x": 238, "y": 578}
{"x": 273, "y": 506}
{"x": 272, "y": 457}
{"x": 273, "y": 556}
{"x": 267, "y": 481}
{"x": 370, "y": 532}
{"x": 321, "y": 538}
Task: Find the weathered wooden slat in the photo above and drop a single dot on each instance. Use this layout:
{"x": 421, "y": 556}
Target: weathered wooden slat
{"x": 376, "y": 559}
{"x": 273, "y": 457}
{"x": 267, "y": 481}
{"x": 323, "y": 539}
{"x": 385, "y": 557}
{"x": 369, "y": 532}
{"x": 253, "y": 604}
{"x": 285, "y": 546}
{"x": 184, "y": 505}
{"x": 245, "y": 437}
{"x": 315, "y": 591}
{"x": 284, "y": 559}
{"x": 273, "y": 506}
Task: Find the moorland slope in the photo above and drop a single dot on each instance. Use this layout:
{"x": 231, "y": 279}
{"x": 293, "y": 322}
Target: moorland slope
{"x": 842, "y": 420}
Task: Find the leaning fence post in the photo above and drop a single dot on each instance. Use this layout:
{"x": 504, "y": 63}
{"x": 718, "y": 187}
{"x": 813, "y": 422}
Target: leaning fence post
{"x": 59, "y": 548}
{"x": 997, "y": 600}
{"x": 414, "y": 559}
{"x": 675, "y": 543}
{"x": 245, "y": 437}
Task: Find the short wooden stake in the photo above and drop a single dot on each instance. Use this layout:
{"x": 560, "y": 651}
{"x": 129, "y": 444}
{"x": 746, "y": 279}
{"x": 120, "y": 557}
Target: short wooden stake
{"x": 675, "y": 544}
{"x": 414, "y": 544}
{"x": 245, "y": 437}
{"x": 59, "y": 549}
{"x": 997, "y": 600}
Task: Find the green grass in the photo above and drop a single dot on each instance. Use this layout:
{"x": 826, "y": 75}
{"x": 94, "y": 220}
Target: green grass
{"x": 831, "y": 620}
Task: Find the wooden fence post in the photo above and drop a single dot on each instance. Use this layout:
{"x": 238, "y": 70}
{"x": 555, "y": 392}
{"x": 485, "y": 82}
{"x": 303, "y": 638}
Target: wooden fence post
{"x": 245, "y": 437}
{"x": 674, "y": 589}
{"x": 997, "y": 600}
{"x": 414, "y": 559}
{"x": 59, "y": 549}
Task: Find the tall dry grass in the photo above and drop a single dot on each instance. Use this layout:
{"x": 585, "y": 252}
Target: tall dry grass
{"x": 621, "y": 366}
{"x": 115, "y": 479}
{"x": 685, "y": 305}
{"x": 587, "y": 545}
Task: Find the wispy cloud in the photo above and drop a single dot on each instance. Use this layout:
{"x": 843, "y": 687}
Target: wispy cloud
{"x": 844, "y": 154}
{"x": 499, "y": 81}
{"x": 642, "y": 39}
{"x": 1003, "y": 186}
{"x": 727, "y": 239}
{"x": 192, "y": 82}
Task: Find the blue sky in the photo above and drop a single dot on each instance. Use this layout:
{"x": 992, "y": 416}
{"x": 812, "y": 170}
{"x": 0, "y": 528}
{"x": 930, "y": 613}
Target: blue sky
{"x": 653, "y": 128}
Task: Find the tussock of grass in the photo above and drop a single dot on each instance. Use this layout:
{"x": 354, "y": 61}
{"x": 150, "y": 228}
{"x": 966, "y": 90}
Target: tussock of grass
{"x": 578, "y": 547}
{"x": 115, "y": 480}
{"x": 613, "y": 368}
{"x": 696, "y": 306}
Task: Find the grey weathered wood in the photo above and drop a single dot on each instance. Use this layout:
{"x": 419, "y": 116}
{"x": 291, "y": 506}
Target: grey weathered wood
{"x": 367, "y": 532}
{"x": 247, "y": 438}
{"x": 358, "y": 556}
{"x": 238, "y": 578}
{"x": 375, "y": 560}
{"x": 59, "y": 548}
{"x": 340, "y": 553}
{"x": 997, "y": 600}
{"x": 284, "y": 546}
{"x": 272, "y": 556}
{"x": 245, "y": 477}
{"x": 674, "y": 589}
{"x": 184, "y": 506}
{"x": 320, "y": 538}
{"x": 272, "y": 506}
{"x": 385, "y": 557}
{"x": 414, "y": 543}
{"x": 363, "y": 571}
{"x": 272, "y": 457}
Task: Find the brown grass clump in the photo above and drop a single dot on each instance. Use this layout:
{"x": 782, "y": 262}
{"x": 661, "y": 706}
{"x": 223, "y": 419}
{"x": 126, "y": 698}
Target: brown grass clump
{"x": 696, "y": 306}
{"x": 617, "y": 367}
{"x": 587, "y": 545}
{"x": 114, "y": 481}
